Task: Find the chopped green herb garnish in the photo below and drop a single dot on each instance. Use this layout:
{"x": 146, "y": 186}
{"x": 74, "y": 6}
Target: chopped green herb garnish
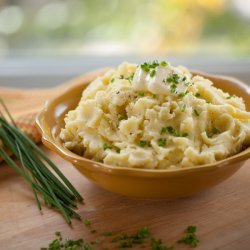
{"x": 154, "y": 96}
{"x": 143, "y": 143}
{"x": 109, "y": 233}
{"x": 152, "y": 73}
{"x": 107, "y": 146}
{"x": 163, "y": 130}
{"x": 158, "y": 245}
{"x": 130, "y": 78}
{"x": 163, "y": 63}
{"x": 170, "y": 130}
{"x": 197, "y": 94}
{"x": 184, "y": 78}
{"x": 68, "y": 244}
{"x": 126, "y": 244}
{"x": 182, "y": 94}
{"x": 112, "y": 80}
{"x": 183, "y": 108}
{"x": 190, "y": 238}
{"x": 196, "y": 112}
{"x": 86, "y": 222}
{"x": 230, "y": 96}
{"x": 117, "y": 150}
{"x": 191, "y": 229}
{"x": 141, "y": 94}
{"x": 216, "y": 131}
{"x": 121, "y": 76}
{"x": 161, "y": 142}
{"x": 122, "y": 117}
{"x": 184, "y": 134}
{"x": 123, "y": 236}
{"x": 149, "y": 66}
{"x": 175, "y": 78}
{"x": 173, "y": 88}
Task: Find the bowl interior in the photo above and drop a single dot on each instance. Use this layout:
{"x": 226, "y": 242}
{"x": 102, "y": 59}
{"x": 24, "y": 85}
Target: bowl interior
{"x": 51, "y": 119}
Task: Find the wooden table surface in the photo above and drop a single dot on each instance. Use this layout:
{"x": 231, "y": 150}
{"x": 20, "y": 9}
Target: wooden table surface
{"x": 221, "y": 214}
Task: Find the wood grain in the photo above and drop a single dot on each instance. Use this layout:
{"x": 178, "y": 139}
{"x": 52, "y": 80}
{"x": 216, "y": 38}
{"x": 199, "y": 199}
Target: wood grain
{"x": 222, "y": 214}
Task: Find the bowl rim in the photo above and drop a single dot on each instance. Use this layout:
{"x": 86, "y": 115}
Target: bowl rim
{"x": 92, "y": 165}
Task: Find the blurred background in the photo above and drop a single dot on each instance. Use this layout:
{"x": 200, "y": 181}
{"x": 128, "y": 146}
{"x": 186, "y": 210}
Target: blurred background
{"x": 44, "y": 43}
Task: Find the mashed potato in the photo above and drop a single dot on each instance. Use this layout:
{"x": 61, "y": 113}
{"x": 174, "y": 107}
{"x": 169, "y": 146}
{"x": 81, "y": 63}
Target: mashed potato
{"x": 156, "y": 116}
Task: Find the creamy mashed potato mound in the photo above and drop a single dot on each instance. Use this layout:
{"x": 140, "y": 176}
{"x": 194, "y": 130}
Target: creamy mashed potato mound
{"x": 156, "y": 116}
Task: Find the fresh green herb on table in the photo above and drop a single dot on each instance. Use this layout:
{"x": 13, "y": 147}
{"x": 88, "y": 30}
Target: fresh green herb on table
{"x": 55, "y": 190}
{"x": 190, "y": 238}
{"x": 141, "y": 239}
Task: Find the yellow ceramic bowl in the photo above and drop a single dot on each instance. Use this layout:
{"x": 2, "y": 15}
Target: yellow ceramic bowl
{"x": 142, "y": 183}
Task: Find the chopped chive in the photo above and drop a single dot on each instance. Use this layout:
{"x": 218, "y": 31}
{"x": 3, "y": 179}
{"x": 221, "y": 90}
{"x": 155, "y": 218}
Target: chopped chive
{"x": 86, "y": 222}
{"x": 197, "y": 94}
{"x": 163, "y": 130}
{"x": 141, "y": 94}
{"x": 122, "y": 117}
{"x": 170, "y": 129}
{"x": 163, "y": 63}
{"x": 107, "y": 146}
{"x": 216, "y": 131}
{"x": 161, "y": 142}
{"x": 112, "y": 80}
{"x": 152, "y": 73}
{"x": 196, "y": 112}
{"x": 56, "y": 190}
{"x": 230, "y": 96}
{"x": 183, "y": 108}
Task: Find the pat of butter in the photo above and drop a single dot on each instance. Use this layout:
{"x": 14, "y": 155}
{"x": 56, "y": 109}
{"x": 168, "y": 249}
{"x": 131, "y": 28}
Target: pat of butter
{"x": 158, "y": 83}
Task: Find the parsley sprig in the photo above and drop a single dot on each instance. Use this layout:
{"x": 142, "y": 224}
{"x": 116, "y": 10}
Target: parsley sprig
{"x": 190, "y": 238}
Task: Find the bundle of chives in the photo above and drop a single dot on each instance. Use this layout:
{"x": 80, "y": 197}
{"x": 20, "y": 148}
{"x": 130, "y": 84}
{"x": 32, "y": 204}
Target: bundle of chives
{"x": 56, "y": 190}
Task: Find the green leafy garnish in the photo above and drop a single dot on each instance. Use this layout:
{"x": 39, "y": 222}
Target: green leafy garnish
{"x": 67, "y": 244}
{"x": 230, "y": 96}
{"x": 152, "y": 73}
{"x": 161, "y": 142}
{"x": 197, "y": 94}
{"x": 158, "y": 245}
{"x": 130, "y": 78}
{"x": 173, "y": 88}
{"x": 174, "y": 78}
{"x": 107, "y": 146}
{"x": 183, "y": 108}
{"x": 141, "y": 94}
{"x": 122, "y": 117}
{"x": 196, "y": 112}
{"x": 182, "y": 94}
{"x": 143, "y": 143}
{"x": 190, "y": 237}
{"x": 163, "y": 63}
{"x": 216, "y": 131}
{"x": 112, "y": 80}
{"x": 86, "y": 222}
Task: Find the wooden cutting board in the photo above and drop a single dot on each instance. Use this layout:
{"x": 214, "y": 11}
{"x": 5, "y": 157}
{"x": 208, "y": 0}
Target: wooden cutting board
{"x": 221, "y": 214}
